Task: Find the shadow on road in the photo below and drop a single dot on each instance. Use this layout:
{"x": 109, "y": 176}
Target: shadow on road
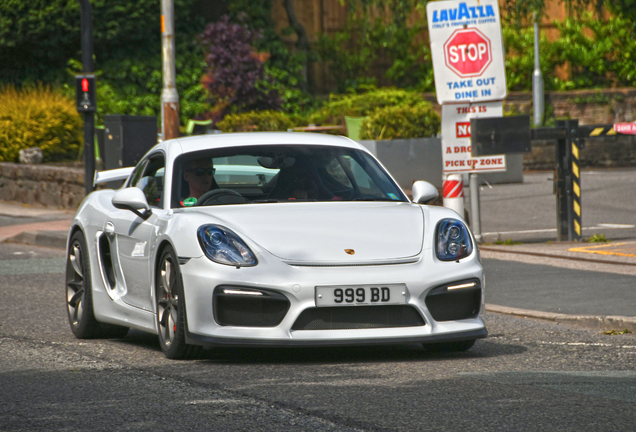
{"x": 484, "y": 348}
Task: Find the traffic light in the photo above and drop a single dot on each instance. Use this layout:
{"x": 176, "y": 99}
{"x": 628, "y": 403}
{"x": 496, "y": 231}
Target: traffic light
{"x": 85, "y": 97}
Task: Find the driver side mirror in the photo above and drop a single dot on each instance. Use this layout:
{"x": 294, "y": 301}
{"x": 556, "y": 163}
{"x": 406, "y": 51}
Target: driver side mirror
{"x": 133, "y": 199}
{"x": 424, "y": 192}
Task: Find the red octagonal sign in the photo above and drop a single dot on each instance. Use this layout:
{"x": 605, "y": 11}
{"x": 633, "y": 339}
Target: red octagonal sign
{"x": 467, "y": 52}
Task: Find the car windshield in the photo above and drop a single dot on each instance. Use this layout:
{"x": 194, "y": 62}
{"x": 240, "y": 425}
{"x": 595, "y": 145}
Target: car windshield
{"x": 280, "y": 173}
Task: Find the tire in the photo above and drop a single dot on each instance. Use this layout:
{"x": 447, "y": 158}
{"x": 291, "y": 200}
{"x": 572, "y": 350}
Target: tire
{"x": 459, "y": 346}
{"x": 79, "y": 295}
{"x": 170, "y": 305}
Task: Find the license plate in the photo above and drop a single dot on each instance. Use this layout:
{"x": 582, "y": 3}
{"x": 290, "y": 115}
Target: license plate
{"x": 355, "y": 295}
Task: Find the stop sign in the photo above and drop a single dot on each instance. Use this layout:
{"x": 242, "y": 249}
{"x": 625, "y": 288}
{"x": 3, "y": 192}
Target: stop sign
{"x": 467, "y": 52}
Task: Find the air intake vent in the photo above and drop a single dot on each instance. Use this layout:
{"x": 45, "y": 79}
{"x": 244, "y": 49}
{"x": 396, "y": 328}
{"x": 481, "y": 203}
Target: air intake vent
{"x": 245, "y": 307}
{"x": 358, "y": 317}
{"x": 461, "y": 300}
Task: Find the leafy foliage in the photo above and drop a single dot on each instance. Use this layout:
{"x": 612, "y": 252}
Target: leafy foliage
{"x": 39, "y": 38}
{"x": 405, "y": 121}
{"x": 283, "y": 68}
{"x": 38, "y": 117}
{"x": 591, "y": 48}
{"x": 253, "y": 121}
{"x": 234, "y": 69}
{"x": 364, "y": 40}
{"x": 519, "y": 45}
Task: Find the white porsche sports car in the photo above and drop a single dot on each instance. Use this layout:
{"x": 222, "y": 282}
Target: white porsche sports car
{"x": 270, "y": 239}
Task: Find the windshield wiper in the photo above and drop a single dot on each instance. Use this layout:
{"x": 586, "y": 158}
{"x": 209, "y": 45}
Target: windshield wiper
{"x": 259, "y": 201}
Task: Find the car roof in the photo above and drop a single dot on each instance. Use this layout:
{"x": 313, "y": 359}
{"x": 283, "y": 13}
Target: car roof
{"x": 239, "y": 139}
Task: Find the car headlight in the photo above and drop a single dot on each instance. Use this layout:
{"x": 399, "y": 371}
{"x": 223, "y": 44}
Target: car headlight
{"x": 453, "y": 240}
{"x": 224, "y": 247}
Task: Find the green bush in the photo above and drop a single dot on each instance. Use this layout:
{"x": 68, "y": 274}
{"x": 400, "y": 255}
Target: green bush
{"x": 255, "y": 121}
{"x": 38, "y": 117}
{"x": 358, "y": 105}
{"x": 393, "y": 122}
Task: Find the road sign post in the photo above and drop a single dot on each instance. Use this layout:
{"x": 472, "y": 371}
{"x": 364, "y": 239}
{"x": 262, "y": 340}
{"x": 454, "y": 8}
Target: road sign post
{"x": 470, "y": 81}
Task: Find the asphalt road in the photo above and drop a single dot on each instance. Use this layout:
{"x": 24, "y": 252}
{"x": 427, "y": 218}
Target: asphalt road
{"x": 561, "y": 290}
{"x": 527, "y": 211}
{"x": 528, "y": 376}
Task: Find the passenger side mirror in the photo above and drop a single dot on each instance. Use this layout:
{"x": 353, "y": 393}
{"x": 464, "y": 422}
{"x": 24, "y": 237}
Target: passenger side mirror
{"x": 424, "y": 192}
{"x": 132, "y": 199}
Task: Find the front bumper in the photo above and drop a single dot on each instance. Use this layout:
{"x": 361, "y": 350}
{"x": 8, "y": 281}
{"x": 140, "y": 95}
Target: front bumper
{"x": 298, "y": 284}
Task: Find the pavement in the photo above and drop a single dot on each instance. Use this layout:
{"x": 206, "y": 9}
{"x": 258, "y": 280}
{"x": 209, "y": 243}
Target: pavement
{"x": 48, "y": 227}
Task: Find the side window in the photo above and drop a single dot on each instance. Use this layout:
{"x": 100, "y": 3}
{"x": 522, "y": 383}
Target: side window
{"x": 136, "y": 175}
{"x": 152, "y": 181}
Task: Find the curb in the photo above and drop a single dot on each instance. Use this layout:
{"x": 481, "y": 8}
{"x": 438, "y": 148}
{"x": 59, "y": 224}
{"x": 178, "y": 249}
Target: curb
{"x": 52, "y": 239}
{"x": 610, "y": 322}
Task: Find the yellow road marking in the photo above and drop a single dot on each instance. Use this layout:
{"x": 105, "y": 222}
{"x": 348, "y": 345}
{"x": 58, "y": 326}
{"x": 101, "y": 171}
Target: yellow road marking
{"x": 586, "y": 249}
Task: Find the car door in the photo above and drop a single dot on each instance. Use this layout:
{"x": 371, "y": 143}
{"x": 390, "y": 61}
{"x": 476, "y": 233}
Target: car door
{"x": 134, "y": 234}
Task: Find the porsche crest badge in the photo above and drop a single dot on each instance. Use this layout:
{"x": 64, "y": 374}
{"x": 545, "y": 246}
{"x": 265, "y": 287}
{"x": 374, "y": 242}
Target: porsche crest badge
{"x": 350, "y": 251}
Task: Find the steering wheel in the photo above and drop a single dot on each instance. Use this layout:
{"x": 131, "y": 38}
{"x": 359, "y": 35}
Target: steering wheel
{"x": 215, "y": 194}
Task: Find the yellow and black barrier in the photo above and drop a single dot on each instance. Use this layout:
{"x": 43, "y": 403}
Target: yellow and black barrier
{"x": 495, "y": 135}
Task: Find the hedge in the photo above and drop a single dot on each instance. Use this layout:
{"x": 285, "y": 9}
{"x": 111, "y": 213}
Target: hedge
{"x": 38, "y": 117}
{"x": 415, "y": 121}
{"x": 359, "y": 105}
{"x": 254, "y": 121}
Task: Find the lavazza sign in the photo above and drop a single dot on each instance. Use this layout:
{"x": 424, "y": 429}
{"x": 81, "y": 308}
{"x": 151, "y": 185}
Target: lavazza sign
{"x": 467, "y": 51}
{"x": 470, "y": 76}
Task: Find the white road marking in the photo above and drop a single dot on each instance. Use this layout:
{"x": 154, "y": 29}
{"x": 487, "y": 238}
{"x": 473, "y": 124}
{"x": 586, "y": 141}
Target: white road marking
{"x": 599, "y": 226}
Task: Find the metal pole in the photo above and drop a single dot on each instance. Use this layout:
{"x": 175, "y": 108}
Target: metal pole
{"x": 169, "y": 95}
{"x": 475, "y": 214}
{"x": 89, "y": 119}
{"x": 537, "y": 79}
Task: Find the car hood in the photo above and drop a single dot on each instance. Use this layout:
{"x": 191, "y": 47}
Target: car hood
{"x": 329, "y": 232}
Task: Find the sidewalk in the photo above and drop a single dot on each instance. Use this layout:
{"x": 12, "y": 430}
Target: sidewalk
{"x": 49, "y": 227}
{"x": 39, "y": 226}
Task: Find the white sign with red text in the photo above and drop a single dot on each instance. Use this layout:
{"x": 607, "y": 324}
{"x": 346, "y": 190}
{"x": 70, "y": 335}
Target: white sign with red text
{"x": 467, "y": 50}
{"x": 456, "y": 146}
{"x": 625, "y": 128}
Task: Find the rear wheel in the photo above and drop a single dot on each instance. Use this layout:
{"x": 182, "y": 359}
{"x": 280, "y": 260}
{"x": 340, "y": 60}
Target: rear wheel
{"x": 171, "y": 308}
{"x": 79, "y": 295}
{"x": 459, "y": 346}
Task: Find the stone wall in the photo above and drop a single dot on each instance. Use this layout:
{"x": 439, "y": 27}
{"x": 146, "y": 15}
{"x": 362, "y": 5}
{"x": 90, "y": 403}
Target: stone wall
{"x": 588, "y": 106}
{"x": 52, "y": 186}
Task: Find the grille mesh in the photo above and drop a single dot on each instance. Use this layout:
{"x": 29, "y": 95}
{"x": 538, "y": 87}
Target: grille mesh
{"x": 358, "y": 317}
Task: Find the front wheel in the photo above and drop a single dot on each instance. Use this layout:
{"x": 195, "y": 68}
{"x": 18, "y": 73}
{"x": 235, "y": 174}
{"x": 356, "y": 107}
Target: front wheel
{"x": 171, "y": 308}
